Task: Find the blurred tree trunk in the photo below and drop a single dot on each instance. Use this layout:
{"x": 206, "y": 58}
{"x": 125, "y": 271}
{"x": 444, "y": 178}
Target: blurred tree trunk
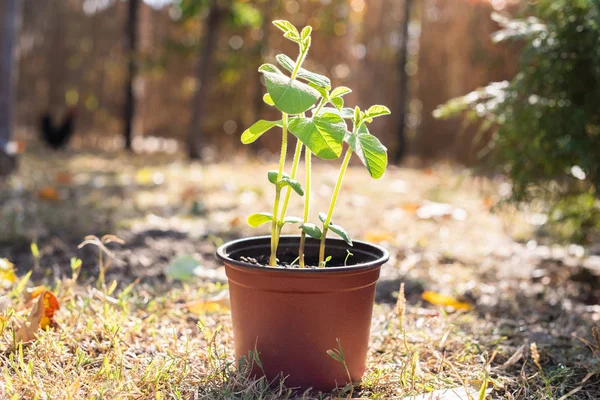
{"x": 10, "y": 11}
{"x": 403, "y": 90}
{"x": 132, "y": 67}
{"x": 209, "y": 42}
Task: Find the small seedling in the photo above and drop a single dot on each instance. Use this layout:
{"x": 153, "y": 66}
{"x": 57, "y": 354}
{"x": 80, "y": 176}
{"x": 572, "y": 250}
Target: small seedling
{"x": 348, "y": 255}
{"x": 338, "y": 355}
{"x": 302, "y": 98}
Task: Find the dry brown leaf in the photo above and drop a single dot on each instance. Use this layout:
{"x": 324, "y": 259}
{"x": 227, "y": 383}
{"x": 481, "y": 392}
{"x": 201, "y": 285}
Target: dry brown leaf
{"x": 48, "y": 193}
{"x": 32, "y": 293}
{"x": 235, "y": 221}
{"x": 442, "y": 300}
{"x": 410, "y": 208}
{"x": 379, "y": 236}
{"x": 64, "y": 178}
{"x": 41, "y": 317}
{"x": 217, "y": 304}
{"x": 189, "y": 194}
{"x": 4, "y": 303}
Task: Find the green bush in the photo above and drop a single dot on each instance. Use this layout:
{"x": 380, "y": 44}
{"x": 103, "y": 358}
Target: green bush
{"x": 546, "y": 120}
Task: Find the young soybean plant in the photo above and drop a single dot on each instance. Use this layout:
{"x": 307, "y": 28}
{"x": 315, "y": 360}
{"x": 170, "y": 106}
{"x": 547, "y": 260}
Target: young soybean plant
{"x": 372, "y": 154}
{"x": 293, "y": 98}
{"x": 323, "y": 134}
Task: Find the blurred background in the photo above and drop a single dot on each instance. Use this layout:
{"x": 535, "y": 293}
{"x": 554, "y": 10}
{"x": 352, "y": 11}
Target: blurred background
{"x": 503, "y": 90}
{"x": 143, "y": 67}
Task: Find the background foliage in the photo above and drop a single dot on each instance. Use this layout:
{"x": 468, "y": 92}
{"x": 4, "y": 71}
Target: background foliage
{"x": 546, "y": 120}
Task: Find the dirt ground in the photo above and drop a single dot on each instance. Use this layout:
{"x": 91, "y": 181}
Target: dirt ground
{"x": 533, "y": 302}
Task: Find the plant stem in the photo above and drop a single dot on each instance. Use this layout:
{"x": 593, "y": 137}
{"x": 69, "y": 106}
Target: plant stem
{"x": 307, "y": 161}
{"x": 299, "y": 61}
{"x": 336, "y": 192}
{"x": 274, "y": 238}
{"x": 295, "y": 163}
{"x": 321, "y": 104}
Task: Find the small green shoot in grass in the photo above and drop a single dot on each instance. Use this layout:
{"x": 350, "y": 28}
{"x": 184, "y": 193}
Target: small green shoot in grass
{"x": 338, "y": 355}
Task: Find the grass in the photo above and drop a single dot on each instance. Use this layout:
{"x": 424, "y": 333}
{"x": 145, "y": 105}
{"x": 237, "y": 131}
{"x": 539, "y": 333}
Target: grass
{"x": 528, "y": 336}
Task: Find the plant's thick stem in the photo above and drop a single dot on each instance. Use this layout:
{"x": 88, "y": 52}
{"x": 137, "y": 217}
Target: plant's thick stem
{"x": 336, "y": 192}
{"x": 274, "y": 238}
{"x": 286, "y": 200}
{"x": 275, "y": 223}
{"x": 307, "y": 161}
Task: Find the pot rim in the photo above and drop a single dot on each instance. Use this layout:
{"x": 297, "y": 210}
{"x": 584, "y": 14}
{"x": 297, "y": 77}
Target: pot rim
{"x": 223, "y": 255}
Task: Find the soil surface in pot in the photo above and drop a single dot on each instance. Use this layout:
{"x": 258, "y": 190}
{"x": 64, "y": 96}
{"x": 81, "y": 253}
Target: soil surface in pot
{"x": 288, "y": 258}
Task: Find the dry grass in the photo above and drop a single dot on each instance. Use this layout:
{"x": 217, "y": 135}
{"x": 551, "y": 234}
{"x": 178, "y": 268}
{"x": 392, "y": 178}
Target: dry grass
{"x": 529, "y": 335}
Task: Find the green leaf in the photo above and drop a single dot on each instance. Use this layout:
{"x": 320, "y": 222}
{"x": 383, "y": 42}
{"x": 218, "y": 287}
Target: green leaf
{"x": 357, "y": 114}
{"x": 257, "y": 129}
{"x": 341, "y": 232}
{"x": 322, "y": 91}
{"x": 294, "y": 184}
{"x": 323, "y": 134}
{"x": 323, "y": 217}
{"x": 370, "y": 151}
{"x": 377, "y": 111}
{"x": 338, "y": 102}
{"x": 333, "y": 354}
{"x": 292, "y": 36}
{"x": 258, "y": 219}
{"x": 311, "y": 230}
{"x": 269, "y": 68}
{"x": 286, "y": 26}
{"x": 273, "y": 175}
{"x": 291, "y": 220}
{"x": 340, "y": 91}
{"x": 306, "y": 32}
{"x": 305, "y": 74}
{"x": 345, "y": 113}
{"x": 183, "y": 268}
{"x": 268, "y": 100}
{"x": 291, "y": 97}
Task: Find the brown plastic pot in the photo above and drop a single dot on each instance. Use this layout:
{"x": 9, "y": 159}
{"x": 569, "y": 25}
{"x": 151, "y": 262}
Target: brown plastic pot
{"x": 292, "y": 316}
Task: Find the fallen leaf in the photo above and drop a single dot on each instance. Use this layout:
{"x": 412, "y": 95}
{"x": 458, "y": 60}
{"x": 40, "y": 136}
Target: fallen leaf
{"x": 50, "y": 305}
{"x": 442, "y": 300}
{"x": 7, "y": 272}
{"x": 4, "y": 303}
{"x": 32, "y": 293}
{"x": 235, "y": 221}
{"x": 379, "y": 236}
{"x": 48, "y": 193}
{"x": 410, "y": 208}
{"x": 189, "y": 194}
{"x": 64, "y": 178}
{"x": 216, "y": 304}
{"x": 488, "y": 202}
{"x": 182, "y": 268}
{"x": 41, "y": 316}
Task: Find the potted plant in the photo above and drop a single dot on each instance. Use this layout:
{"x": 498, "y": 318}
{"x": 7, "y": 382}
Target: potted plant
{"x": 294, "y": 298}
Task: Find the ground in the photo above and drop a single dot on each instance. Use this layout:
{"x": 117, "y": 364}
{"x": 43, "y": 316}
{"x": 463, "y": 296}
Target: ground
{"x": 527, "y": 332}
